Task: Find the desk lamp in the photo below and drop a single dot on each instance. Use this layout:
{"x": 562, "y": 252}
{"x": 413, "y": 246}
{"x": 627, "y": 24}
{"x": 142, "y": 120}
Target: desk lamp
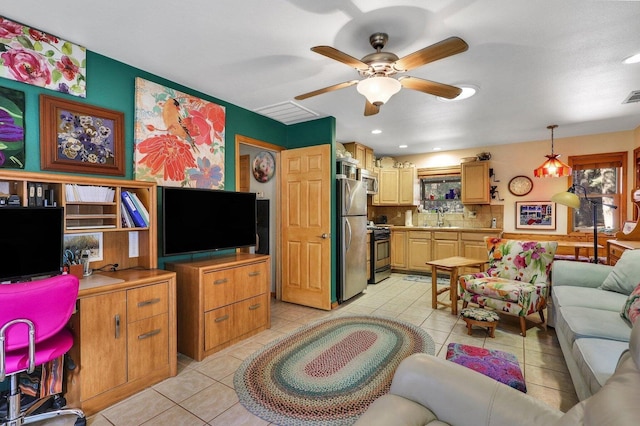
{"x": 569, "y": 198}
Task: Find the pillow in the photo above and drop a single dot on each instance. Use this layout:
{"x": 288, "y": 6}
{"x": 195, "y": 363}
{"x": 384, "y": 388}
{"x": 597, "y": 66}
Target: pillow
{"x": 624, "y": 276}
{"x": 631, "y": 308}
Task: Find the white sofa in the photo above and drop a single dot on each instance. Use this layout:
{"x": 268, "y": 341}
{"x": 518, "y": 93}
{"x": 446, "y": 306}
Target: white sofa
{"x": 586, "y": 301}
{"x": 427, "y": 390}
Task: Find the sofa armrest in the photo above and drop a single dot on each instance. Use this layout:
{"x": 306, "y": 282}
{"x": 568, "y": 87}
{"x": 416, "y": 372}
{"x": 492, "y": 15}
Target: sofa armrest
{"x": 443, "y": 387}
{"x": 580, "y": 274}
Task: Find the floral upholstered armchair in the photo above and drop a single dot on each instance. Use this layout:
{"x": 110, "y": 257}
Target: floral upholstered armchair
{"x": 517, "y": 280}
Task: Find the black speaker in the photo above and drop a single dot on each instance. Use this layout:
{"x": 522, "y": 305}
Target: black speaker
{"x": 262, "y": 209}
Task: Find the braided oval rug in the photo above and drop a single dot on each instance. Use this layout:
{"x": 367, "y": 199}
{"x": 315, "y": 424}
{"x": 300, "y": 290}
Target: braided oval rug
{"x": 329, "y": 372}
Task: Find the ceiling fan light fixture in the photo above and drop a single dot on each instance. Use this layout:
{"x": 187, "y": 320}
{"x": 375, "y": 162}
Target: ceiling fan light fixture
{"x": 378, "y": 89}
{"x": 552, "y": 167}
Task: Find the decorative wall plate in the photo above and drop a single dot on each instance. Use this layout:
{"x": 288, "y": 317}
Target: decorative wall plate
{"x": 264, "y": 166}
{"x": 520, "y": 185}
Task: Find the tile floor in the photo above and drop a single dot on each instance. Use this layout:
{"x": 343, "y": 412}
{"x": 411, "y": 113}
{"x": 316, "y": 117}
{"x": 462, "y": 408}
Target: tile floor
{"x": 202, "y": 393}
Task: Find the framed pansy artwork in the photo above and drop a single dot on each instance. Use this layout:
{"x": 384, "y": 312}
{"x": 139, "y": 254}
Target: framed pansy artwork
{"x": 179, "y": 138}
{"x": 40, "y": 59}
{"x": 11, "y": 129}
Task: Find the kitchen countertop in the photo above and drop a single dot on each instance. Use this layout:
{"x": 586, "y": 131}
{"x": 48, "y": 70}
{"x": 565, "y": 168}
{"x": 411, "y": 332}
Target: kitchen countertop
{"x": 443, "y": 228}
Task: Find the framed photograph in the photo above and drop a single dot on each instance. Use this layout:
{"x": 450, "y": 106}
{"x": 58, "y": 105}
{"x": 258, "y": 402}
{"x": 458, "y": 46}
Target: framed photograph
{"x": 535, "y": 215}
{"x": 628, "y": 227}
{"x": 80, "y": 138}
{"x": 75, "y": 244}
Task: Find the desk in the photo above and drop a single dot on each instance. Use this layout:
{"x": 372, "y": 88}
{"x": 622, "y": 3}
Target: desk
{"x": 577, "y": 246}
{"x": 450, "y": 265}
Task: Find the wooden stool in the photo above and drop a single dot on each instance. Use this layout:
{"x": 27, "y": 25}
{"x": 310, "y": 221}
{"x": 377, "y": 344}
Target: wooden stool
{"x": 480, "y": 317}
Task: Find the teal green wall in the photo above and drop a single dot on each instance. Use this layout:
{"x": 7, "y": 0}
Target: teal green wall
{"x": 111, "y": 84}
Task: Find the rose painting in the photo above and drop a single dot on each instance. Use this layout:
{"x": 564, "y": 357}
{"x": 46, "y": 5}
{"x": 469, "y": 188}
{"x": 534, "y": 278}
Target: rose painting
{"x": 11, "y": 129}
{"x": 179, "y": 138}
{"x": 40, "y": 59}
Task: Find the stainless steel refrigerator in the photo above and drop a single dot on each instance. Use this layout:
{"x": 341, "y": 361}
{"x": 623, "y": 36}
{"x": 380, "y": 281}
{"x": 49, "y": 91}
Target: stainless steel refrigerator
{"x": 352, "y": 238}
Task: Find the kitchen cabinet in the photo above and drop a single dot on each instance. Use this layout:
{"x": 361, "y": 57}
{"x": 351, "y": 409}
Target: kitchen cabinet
{"x": 399, "y": 249}
{"x": 475, "y": 183}
{"x": 221, "y": 301}
{"x": 124, "y": 339}
{"x": 396, "y": 187}
{"x": 362, "y": 153}
{"x": 419, "y": 250}
{"x": 411, "y": 247}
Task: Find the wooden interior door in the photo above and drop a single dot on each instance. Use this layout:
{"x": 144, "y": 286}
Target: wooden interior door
{"x": 306, "y": 226}
{"x": 244, "y": 172}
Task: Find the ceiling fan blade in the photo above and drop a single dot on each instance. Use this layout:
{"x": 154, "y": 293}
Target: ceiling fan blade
{"x": 440, "y": 50}
{"x": 326, "y": 89}
{"x": 370, "y": 109}
{"x": 430, "y": 87}
{"x": 335, "y": 54}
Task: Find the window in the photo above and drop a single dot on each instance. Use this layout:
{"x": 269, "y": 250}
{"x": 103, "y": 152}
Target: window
{"x": 442, "y": 192}
{"x": 603, "y": 178}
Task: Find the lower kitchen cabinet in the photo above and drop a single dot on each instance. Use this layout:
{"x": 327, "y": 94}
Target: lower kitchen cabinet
{"x": 124, "y": 341}
{"x": 419, "y": 250}
{"x": 399, "y": 249}
{"x": 221, "y": 301}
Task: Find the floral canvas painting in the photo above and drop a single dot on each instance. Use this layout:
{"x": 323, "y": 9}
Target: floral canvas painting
{"x": 40, "y": 59}
{"x": 179, "y": 138}
{"x": 11, "y": 128}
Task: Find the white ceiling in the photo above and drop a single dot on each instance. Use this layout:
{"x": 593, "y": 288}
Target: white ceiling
{"x": 535, "y": 62}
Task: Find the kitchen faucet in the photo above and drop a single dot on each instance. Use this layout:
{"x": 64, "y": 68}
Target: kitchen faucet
{"x": 440, "y": 210}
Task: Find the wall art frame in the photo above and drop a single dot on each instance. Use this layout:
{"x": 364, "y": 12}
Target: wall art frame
{"x": 12, "y": 128}
{"x": 80, "y": 138}
{"x": 539, "y": 215}
{"x": 75, "y": 244}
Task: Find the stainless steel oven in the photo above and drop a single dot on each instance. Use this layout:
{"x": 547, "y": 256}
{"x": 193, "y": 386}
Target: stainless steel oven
{"x": 369, "y": 179}
{"x": 380, "y": 254}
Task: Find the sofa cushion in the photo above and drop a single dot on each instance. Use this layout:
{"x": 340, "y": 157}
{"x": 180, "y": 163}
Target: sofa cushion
{"x": 587, "y": 297}
{"x": 631, "y": 308}
{"x": 624, "y": 276}
{"x": 597, "y": 359}
{"x": 578, "y": 322}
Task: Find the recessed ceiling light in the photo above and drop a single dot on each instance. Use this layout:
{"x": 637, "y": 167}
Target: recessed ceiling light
{"x": 437, "y": 148}
{"x": 467, "y": 92}
{"x": 376, "y": 131}
{"x": 403, "y": 146}
{"x": 634, "y": 59}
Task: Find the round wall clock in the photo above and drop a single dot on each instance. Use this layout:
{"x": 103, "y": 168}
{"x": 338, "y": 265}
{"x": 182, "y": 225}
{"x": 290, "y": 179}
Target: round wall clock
{"x": 520, "y": 185}
{"x": 264, "y": 166}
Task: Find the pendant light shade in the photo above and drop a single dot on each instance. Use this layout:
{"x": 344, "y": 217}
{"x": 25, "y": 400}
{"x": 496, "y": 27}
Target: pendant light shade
{"x": 552, "y": 167}
{"x": 378, "y": 90}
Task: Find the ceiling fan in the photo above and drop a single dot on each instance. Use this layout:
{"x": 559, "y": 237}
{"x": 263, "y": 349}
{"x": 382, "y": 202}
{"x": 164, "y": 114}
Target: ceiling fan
{"x": 378, "y": 68}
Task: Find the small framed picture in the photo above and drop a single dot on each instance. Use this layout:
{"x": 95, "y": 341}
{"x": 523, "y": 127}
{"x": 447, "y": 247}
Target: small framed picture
{"x": 628, "y": 227}
{"x": 76, "y": 244}
{"x": 535, "y": 215}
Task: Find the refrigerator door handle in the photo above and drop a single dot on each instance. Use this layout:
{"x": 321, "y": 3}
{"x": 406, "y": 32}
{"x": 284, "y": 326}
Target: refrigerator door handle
{"x": 348, "y": 241}
{"x": 348, "y": 196}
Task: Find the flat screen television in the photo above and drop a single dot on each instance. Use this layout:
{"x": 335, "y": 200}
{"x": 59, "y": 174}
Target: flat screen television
{"x": 31, "y": 240}
{"x": 200, "y": 220}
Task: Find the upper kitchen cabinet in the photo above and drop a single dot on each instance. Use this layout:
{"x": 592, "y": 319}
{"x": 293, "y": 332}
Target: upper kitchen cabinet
{"x": 475, "y": 183}
{"x": 362, "y": 153}
{"x": 396, "y": 187}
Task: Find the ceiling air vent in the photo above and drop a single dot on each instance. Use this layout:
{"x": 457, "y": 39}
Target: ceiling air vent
{"x": 288, "y": 112}
{"x": 633, "y": 97}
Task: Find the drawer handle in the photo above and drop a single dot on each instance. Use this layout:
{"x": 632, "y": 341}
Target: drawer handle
{"x": 117, "y": 321}
{"x": 148, "y": 302}
{"x": 254, "y": 307}
{"x": 149, "y": 334}
{"x": 222, "y": 318}
{"x": 254, "y": 273}
{"x": 220, "y": 281}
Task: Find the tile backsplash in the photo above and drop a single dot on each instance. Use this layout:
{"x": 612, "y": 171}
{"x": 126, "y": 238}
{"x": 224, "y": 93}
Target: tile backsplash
{"x": 472, "y": 216}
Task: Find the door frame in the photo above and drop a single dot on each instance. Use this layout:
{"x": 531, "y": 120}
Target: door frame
{"x": 245, "y": 140}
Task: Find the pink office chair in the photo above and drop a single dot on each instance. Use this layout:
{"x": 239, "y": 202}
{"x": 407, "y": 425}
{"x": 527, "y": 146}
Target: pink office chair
{"x": 33, "y": 319}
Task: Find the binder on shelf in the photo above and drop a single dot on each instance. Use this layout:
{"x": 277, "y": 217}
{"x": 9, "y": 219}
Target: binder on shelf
{"x": 133, "y": 211}
{"x": 127, "y": 220}
{"x": 39, "y": 195}
{"x": 31, "y": 194}
{"x": 141, "y": 208}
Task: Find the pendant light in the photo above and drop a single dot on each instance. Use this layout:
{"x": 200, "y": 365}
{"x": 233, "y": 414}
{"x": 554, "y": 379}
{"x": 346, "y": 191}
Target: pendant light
{"x": 552, "y": 167}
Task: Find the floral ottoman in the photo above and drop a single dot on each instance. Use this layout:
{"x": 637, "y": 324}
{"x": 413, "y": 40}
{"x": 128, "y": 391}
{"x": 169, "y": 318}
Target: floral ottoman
{"x": 481, "y": 317}
{"x": 499, "y": 365}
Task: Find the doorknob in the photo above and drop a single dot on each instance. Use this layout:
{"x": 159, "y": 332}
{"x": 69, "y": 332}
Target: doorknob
{"x": 325, "y": 236}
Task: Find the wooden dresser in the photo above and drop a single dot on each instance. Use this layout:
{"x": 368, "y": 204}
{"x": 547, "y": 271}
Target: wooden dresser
{"x": 615, "y": 248}
{"x": 221, "y": 300}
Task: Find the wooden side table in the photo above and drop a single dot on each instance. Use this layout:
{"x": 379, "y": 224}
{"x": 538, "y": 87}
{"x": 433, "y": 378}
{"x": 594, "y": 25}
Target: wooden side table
{"x": 450, "y": 265}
